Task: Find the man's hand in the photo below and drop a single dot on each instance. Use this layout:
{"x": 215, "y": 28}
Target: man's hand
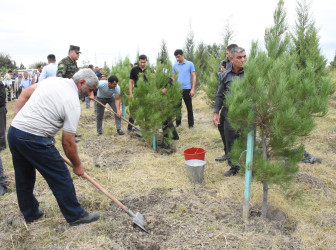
{"x": 215, "y": 119}
{"x": 79, "y": 170}
{"x": 163, "y": 91}
{"x": 118, "y": 113}
{"x": 192, "y": 93}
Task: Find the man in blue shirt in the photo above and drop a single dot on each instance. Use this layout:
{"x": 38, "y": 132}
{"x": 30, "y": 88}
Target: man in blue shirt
{"x": 26, "y": 81}
{"x": 185, "y": 70}
{"x": 51, "y": 69}
{"x": 109, "y": 92}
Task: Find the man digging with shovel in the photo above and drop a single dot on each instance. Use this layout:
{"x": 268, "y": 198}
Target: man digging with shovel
{"x": 41, "y": 111}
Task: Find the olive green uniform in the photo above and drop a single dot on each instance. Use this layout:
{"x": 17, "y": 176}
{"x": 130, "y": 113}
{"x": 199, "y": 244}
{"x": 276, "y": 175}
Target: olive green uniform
{"x": 66, "y": 68}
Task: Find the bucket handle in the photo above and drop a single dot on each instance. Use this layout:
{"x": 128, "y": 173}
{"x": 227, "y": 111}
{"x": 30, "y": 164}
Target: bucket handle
{"x": 199, "y": 145}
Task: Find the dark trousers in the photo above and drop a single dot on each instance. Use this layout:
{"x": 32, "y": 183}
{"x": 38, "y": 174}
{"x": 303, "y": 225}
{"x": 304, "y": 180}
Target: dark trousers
{"x": 230, "y": 135}
{"x": 3, "y": 112}
{"x": 101, "y": 110}
{"x": 31, "y": 152}
{"x": 188, "y": 102}
{"x": 169, "y": 129}
{"x": 131, "y": 120}
{"x": 221, "y": 128}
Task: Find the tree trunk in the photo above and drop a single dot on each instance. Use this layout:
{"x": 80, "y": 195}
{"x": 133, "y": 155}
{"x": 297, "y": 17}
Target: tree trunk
{"x": 264, "y": 206}
{"x": 265, "y": 185}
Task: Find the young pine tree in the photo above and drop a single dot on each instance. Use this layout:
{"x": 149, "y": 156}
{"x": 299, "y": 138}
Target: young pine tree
{"x": 122, "y": 71}
{"x": 201, "y": 62}
{"x": 278, "y": 97}
{"x": 163, "y": 55}
{"x": 150, "y": 107}
{"x": 211, "y": 85}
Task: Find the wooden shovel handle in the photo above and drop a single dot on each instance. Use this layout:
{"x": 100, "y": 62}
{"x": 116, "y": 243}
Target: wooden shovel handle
{"x": 111, "y": 110}
{"x": 103, "y": 190}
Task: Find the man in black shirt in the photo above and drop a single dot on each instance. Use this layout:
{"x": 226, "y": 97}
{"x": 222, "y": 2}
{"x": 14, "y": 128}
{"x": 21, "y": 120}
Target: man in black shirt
{"x": 134, "y": 77}
{"x": 224, "y": 65}
{"x": 238, "y": 59}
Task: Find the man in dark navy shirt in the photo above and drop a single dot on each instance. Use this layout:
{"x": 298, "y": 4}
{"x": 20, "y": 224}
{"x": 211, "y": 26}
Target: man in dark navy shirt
{"x": 224, "y": 65}
{"x": 238, "y": 59}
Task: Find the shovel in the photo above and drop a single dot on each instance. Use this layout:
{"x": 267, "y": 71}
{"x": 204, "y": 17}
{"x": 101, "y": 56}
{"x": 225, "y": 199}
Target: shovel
{"x": 138, "y": 218}
{"x": 111, "y": 110}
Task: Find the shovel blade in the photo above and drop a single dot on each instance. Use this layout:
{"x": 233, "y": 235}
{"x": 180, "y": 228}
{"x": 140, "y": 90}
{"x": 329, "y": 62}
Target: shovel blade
{"x": 139, "y": 220}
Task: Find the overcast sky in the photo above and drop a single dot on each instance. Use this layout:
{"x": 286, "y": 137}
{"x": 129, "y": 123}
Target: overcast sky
{"x": 109, "y": 30}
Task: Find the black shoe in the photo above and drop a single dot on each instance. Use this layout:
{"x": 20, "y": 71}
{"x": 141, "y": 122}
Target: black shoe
{"x": 178, "y": 124}
{"x": 40, "y": 213}
{"x": 78, "y": 135}
{"x": 86, "y": 218}
{"x": 191, "y": 127}
{"x": 120, "y": 132}
{"x": 231, "y": 171}
{"x": 77, "y": 140}
{"x": 222, "y": 158}
{"x": 3, "y": 190}
{"x": 99, "y": 134}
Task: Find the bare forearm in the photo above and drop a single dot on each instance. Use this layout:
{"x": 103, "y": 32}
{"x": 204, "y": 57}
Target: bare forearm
{"x": 70, "y": 148}
{"x": 117, "y": 104}
{"x": 130, "y": 86}
{"x": 24, "y": 97}
{"x": 194, "y": 81}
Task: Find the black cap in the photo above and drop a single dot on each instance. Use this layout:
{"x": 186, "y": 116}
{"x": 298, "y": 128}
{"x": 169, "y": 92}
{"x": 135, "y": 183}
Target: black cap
{"x": 75, "y": 48}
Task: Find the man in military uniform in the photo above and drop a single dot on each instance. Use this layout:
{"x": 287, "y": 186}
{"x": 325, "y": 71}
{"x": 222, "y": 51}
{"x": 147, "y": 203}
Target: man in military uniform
{"x": 67, "y": 67}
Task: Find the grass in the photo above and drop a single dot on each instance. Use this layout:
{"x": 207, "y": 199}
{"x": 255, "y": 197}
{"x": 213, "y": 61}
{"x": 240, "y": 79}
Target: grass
{"x": 179, "y": 214}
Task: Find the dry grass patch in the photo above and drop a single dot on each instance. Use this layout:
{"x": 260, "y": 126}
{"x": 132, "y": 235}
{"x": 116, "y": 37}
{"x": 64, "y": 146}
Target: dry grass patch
{"x": 179, "y": 215}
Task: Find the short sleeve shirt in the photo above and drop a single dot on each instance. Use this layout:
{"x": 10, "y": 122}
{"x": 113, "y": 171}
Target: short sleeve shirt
{"x": 184, "y": 73}
{"x": 105, "y": 92}
{"x": 48, "y": 71}
{"x": 25, "y": 83}
{"x": 52, "y": 106}
{"x": 134, "y": 75}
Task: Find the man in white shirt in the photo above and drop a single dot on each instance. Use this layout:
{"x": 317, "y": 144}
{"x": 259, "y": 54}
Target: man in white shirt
{"x": 49, "y": 70}
{"x": 41, "y": 111}
{"x": 36, "y": 77}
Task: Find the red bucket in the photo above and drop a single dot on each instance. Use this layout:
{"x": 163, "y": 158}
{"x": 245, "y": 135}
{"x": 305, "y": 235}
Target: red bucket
{"x": 194, "y": 154}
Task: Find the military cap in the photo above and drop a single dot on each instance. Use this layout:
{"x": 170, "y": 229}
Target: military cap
{"x": 75, "y": 48}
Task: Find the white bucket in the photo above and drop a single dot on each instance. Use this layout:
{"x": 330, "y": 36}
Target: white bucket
{"x": 195, "y": 170}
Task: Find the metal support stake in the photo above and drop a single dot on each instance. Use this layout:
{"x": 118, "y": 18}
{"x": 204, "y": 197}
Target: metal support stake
{"x": 248, "y": 174}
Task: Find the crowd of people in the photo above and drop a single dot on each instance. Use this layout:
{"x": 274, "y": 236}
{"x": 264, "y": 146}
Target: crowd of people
{"x": 55, "y": 105}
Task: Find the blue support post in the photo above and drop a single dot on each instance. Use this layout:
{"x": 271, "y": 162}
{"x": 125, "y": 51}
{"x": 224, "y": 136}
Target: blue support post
{"x": 123, "y": 109}
{"x": 248, "y": 174}
{"x": 154, "y": 141}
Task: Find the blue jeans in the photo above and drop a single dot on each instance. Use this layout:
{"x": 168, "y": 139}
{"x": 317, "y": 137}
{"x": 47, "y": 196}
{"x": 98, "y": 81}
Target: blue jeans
{"x": 31, "y": 152}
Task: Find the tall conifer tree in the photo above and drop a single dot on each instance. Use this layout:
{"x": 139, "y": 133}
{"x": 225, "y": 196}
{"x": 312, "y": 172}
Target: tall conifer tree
{"x": 149, "y": 107}
{"x": 189, "y": 48}
{"x": 278, "y": 97}
{"x": 122, "y": 71}
{"x": 163, "y": 55}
